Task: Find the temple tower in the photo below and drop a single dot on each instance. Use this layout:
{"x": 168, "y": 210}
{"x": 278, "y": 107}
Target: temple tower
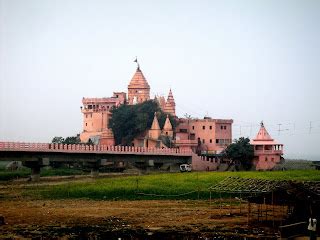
{"x": 170, "y": 106}
{"x": 167, "y": 128}
{"x": 138, "y": 88}
{"x": 267, "y": 152}
{"x": 155, "y": 131}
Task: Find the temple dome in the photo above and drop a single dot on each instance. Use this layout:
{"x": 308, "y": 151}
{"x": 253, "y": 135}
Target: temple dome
{"x": 167, "y": 125}
{"x": 263, "y": 135}
{"x": 138, "y": 80}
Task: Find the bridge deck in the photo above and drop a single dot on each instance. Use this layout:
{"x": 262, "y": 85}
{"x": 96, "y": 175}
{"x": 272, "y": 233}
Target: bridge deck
{"x": 82, "y": 148}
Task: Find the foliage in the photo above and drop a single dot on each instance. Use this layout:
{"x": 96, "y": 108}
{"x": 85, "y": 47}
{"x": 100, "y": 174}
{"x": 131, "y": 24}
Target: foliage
{"x": 57, "y": 140}
{"x": 67, "y": 140}
{"x": 130, "y": 121}
{"x": 166, "y": 140}
{"x": 240, "y": 152}
{"x": 165, "y": 184}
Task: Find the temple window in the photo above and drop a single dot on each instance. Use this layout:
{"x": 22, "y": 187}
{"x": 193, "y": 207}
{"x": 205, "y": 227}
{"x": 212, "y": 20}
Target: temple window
{"x": 210, "y": 140}
{"x": 266, "y": 159}
{"x": 203, "y": 127}
{"x": 225, "y": 127}
{"x": 210, "y": 127}
{"x": 86, "y": 124}
{"x": 192, "y": 127}
{"x": 259, "y": 147}
{"x": 217, "y": 140}
{"x": 203, "y": 141}
{"x": 221, "y": 127}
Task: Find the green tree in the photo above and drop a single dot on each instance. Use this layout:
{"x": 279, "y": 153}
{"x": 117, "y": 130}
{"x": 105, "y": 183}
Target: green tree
{"x": 67, "y": 140}
{"x": 240, "y": 152}
{"x": 57, "y": 140}
{"x": 72, "y": 140}
{"x": 130, "y": 121}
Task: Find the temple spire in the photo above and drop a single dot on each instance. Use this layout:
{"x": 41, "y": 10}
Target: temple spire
{"x": 138, "y": 88}
{"x": 170, "y": 106}
{"x": 155, "y": 131}
{"x": 263, "y": 134}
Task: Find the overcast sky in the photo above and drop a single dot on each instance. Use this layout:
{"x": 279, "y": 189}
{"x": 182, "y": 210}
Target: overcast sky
{"x": 244, "y": 60}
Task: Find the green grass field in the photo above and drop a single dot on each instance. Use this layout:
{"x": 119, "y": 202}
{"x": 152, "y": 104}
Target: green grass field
{"x": 163, "y": 185}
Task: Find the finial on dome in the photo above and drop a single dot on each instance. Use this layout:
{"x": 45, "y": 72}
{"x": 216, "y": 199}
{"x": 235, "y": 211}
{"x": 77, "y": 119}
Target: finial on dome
{"x": 261, "y": 124}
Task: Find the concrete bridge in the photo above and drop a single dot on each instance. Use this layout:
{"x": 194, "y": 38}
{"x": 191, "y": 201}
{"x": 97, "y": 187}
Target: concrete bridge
{"x": 38, "y": 155}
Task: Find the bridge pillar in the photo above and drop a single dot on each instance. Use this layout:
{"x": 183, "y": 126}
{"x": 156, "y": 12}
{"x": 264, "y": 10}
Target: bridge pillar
{"x": 36, "y": 164}
{"x": 94, "y": 172}
{"x": 35, "y": 173}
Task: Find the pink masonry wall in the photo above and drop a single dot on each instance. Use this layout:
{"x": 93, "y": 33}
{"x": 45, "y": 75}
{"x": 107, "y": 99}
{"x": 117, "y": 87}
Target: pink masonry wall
{"x": 266, "y": 162}
{"x": 208, "y": 131}
{"x": 201, "y": 163}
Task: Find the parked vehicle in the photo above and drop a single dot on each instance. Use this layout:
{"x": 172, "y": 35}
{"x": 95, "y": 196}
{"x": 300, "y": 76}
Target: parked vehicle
{"x": 185, "y": 168}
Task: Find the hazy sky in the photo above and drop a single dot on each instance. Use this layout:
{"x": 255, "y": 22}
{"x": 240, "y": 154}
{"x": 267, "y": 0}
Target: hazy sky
{"x": 245, "y": 60}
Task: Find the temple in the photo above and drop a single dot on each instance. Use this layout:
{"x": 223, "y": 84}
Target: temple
{"x": 206, "y": 137}
{"x": 267, "y": 152}
{"x": 211, "y": 134}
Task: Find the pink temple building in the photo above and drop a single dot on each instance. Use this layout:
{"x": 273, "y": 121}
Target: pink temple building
{"x": 96, "y": 115}
{"x": 96, "y": 111}
{"x": 267, "y": 152}
{"x": 204, "y": 136}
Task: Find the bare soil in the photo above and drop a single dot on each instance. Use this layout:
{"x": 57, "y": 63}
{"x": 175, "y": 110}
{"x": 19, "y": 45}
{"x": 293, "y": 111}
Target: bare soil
{"x": 152, "y": 219}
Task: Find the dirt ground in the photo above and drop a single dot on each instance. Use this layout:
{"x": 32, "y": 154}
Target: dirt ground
{"x": 151, "y": 216}
{"x": 152, "y": 219}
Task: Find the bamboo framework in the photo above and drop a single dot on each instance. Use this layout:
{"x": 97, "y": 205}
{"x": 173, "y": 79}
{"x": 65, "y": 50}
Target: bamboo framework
{"x": 267, "y": 200}
{"x": 247, "y": 185}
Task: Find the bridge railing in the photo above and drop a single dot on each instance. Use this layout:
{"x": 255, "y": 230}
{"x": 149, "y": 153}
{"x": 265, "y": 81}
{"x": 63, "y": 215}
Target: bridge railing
{"x": 82, "y": 148}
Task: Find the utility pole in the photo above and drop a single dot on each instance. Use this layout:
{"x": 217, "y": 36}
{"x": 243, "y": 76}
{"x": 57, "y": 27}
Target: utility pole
{"x": 279, "y": 129}
{"x": 310, "y": 127}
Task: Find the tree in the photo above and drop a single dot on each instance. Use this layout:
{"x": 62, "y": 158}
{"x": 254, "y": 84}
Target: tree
{"x": 67, "y": 140}
{"x": 130, "y": 121}
{"x": 240, "y": 152}
{"x": 57, "y": 140}
{"x": 72, "y": 140}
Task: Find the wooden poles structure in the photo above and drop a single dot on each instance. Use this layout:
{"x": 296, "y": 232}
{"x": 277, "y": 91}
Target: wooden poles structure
{"x": 262, "y": 191}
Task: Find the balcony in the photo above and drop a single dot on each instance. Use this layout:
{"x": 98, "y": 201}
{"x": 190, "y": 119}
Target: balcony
{"x": 186, "y": 142}
{"x": 259, "y": 152}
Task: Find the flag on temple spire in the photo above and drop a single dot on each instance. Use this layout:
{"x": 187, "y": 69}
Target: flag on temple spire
{"x": 136, "y": 61}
